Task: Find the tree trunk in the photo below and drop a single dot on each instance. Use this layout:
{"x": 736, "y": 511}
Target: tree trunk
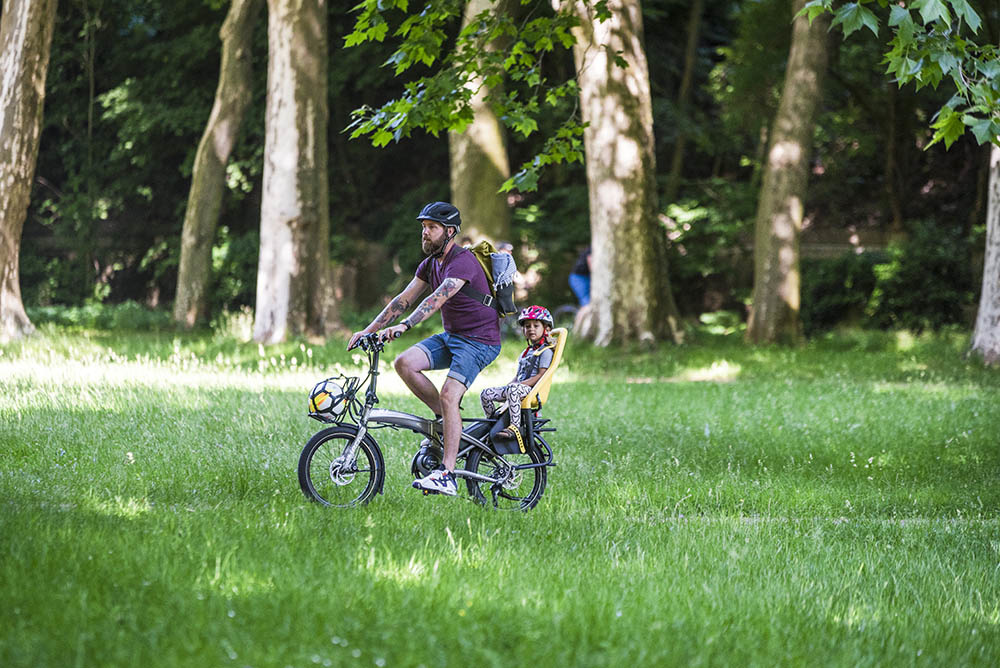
{"x": 683, "y": 98}
{"x": 986, "y": 336}
{"x": 774, "y": 316}
{"x": 208, "y": 180}
{"x": 479, "y": 164}
{"x": 293, "y": 274}
{"x": 630, "y": 292}
{"x": 26, "y": 28}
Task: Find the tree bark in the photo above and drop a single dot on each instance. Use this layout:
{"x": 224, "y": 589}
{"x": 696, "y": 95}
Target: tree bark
{"x": 774, "y": 316}
{"x": 293, "y": 275}
{"x": 683, "y": 99}
{"x": 208, "y": 180}
{"x": 986, "y": 336}
{"x": 26, "y": 28}
{"x": 630, "y": 292}
{"x": 479, "y": 163}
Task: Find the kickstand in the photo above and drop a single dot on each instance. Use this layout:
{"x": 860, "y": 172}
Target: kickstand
{"x": 493, "y": 491}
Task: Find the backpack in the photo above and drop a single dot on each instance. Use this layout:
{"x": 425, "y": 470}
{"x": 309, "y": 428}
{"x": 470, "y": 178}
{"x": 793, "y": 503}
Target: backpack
{"x": 500, "y": 270}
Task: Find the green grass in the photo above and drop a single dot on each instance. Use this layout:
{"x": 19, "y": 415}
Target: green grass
{"x": 714, "y": 504}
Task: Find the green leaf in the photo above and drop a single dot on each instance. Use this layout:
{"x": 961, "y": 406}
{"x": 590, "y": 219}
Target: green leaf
{"x": 984, "y": 129}
{"x": 947, "y": 62}
{"x": 853, "y": 16}
{"x": 525, "y": 180}
{"x": 948, "y": 127}
{"x": 814, "y": 8}
{"x": 967, "y": 14}
{"x": 989, "y": 68}
{"x": 933, "y": 10}
{"x": 899, "y": 15}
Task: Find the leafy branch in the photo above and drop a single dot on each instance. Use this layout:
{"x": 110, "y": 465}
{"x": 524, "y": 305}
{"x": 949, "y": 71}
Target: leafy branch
{"x": 441, "y": 101}
{"x": 933, "y": 40}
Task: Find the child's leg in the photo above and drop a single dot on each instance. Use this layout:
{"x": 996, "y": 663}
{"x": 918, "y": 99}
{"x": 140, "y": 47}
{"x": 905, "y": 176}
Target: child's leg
{"x": 515, "y": 393}
{"x": 488, "y": 396}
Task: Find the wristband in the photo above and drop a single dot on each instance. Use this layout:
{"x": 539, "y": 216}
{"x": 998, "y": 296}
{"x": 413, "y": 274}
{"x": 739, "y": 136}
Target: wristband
{"x": 406, "y": 322}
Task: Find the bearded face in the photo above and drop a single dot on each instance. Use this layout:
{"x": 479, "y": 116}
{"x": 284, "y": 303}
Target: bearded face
{"x": 433, "y": 238}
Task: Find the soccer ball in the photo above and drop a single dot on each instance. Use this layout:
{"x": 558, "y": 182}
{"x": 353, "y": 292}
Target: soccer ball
{"x": 327, "y": 400}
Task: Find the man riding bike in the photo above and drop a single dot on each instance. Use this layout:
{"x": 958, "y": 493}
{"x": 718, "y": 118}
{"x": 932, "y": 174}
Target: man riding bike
{"x": 469, "y": 343}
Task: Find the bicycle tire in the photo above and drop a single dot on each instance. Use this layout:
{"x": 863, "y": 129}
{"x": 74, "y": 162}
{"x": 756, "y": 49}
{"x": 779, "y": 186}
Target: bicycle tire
{"x": 324, "y": 482}
{"x": 530, "y": 482}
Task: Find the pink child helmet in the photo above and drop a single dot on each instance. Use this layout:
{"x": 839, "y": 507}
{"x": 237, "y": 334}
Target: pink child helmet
{"x": 535, "y": 313}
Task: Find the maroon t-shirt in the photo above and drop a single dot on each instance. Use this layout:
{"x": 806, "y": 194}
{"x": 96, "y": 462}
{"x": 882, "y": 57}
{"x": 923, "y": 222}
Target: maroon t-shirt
{"x": 463, "y": 315}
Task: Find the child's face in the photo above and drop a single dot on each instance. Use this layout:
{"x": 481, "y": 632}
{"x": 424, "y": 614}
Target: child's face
{"x": 533, "y": 330}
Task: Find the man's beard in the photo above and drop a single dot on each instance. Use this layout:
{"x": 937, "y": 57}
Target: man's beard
{"x": 430, "y": 248}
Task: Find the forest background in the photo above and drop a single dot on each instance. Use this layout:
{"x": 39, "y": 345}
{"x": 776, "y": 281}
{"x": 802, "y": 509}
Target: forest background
{"x": 893, "y": 232}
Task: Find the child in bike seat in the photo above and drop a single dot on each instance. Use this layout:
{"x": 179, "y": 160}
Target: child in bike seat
{"x": 535, "y": 322}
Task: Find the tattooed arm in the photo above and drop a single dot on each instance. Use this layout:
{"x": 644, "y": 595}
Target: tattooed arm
{"x": 397, "y": 307}
{"x": 449, "y": 288}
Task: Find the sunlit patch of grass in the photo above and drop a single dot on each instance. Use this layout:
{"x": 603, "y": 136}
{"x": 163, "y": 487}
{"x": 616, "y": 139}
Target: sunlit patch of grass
{"x": 128, "y": 508}
{"x": 720, "y": 371}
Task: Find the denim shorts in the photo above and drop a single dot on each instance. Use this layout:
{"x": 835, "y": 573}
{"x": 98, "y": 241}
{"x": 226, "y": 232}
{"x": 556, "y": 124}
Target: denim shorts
{"x": 464, "y": 358}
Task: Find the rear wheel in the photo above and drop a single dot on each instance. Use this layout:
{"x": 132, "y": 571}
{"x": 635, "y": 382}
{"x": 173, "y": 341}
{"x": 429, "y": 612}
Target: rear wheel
{"x": 518, "y": 489}
{"x": 325, "y": 477}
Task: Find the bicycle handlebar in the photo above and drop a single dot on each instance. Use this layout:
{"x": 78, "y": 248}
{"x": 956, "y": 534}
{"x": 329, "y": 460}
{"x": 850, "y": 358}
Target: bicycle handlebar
{"x": 371, "y": 342}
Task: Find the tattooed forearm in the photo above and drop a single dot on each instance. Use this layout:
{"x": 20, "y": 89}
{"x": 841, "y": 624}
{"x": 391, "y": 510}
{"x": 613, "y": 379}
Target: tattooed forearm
{"x": 391, "y": 313}
{"x": 448, "y": 289}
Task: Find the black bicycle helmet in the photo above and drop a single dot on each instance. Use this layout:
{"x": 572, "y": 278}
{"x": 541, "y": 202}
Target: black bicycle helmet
{"x": 441, "y": 212}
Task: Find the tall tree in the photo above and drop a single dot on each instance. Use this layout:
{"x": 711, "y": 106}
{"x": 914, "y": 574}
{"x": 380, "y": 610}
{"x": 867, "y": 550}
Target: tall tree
{"x": 25, "y": 40}
{"x": 631, "y": 298}
{"x": 986, "y": 336}
{"x": 208, "y": 179}
{"x": 774, "y": 314}
{"x": 293, "y": 270}
{"x": 479, "y": 164}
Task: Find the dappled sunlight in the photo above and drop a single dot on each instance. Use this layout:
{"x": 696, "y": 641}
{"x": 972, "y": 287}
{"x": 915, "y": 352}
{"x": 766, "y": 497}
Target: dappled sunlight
{"x": 905, "y": 341}
{"x": 938, "y": 389}
{"x": 720, "y": 371}
{"x": 403, "y": 573}
{"x": 223, "y": 578}
{"x": 125, "y": 507}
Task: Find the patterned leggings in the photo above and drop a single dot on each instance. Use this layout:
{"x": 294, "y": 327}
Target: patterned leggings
{"x": 512, "y": 394}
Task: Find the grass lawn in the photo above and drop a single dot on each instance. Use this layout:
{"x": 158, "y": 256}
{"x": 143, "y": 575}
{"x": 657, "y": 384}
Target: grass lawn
{"x": 715, "y": 504}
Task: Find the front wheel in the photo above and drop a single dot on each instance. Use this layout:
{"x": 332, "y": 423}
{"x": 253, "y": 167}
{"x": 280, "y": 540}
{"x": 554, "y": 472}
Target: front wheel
{"x": 328, "y": 478}
{"x": 517, "y": 489}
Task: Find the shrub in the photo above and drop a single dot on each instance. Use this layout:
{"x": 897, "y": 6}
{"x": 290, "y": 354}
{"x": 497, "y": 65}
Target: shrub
{"x": 710, "y": 264}
{"x": 128, "y": 315}
{"x": 234, "y": 270}
{"x": 923, "y": 282}
{"x": 837, "y": 290}
{"x": 926, "y": 283}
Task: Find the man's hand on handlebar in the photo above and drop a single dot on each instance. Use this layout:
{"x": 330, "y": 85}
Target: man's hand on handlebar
{"x": 391, "y": 333}
{"x": 382, "y": 336}
{"x": 355, "y": 338}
